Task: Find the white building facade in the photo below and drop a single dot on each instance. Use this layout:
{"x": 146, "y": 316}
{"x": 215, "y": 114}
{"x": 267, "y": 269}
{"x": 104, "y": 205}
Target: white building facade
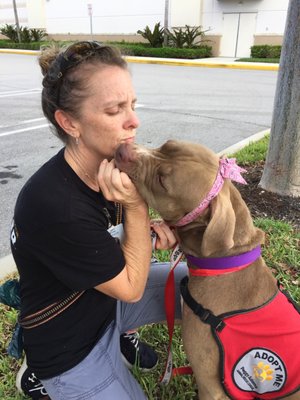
{"x": 233, "y": 26}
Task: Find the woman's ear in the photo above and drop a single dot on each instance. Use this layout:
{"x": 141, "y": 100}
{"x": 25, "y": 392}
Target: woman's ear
{"x": 67, "y": 123}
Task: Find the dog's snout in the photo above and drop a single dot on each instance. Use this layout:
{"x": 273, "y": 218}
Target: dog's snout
{"x": 124, "y": 155}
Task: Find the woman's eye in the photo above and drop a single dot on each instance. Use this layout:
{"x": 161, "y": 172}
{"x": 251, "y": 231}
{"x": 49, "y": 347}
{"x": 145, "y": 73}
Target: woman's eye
{"x": 113, "y": 111}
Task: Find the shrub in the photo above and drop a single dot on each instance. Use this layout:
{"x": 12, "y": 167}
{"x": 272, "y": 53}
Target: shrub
{"x": 202, "y": 51}
{"x": 185, "y": 37}
{"x": 156, "y": 37}
{"x": 38, "y": 35}
{"x": 265, "y": 51}
{"x": 191, "y": 34}
{"x": 27, "y": 35}
{"x": 130, "y": 49}
{"x": 275, "y": 51}
{"x": 10, "y": 31}
{"x": 5, "y": 44}
{"x": 260, "y": 51}
{"x": 176, "y": 38}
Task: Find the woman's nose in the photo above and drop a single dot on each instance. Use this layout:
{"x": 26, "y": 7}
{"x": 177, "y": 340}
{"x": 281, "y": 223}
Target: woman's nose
{"x": 132, "y": 121}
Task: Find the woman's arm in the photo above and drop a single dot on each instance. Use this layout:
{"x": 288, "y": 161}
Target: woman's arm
{"x": 130, "y": 283}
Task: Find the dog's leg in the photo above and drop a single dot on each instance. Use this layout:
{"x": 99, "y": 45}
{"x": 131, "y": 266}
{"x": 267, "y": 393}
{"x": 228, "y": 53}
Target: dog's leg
{"x": 203, "y": 354}
{"x": 295, "y": 396}
{"x": 209, "y": 385}
{"x": 204, "y": 394}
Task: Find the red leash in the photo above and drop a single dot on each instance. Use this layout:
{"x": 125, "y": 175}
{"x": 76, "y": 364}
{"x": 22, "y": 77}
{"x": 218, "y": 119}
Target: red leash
{"x": 176, "y": 256}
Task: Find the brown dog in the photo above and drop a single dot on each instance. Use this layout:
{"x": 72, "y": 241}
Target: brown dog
{"x": 173, "y": 179}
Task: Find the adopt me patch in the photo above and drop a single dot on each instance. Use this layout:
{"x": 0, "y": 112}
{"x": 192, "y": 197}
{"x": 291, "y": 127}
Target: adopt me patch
{"x": 259, "y": 370}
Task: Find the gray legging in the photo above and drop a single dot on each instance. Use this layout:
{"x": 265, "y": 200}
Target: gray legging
{"x": 102, "y": 375}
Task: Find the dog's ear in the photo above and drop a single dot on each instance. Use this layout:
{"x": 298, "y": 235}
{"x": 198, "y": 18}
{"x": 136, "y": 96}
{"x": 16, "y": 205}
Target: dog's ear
{"x": 219, "y": 233}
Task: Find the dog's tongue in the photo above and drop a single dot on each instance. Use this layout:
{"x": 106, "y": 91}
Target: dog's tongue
{"x": 124, "y": 155}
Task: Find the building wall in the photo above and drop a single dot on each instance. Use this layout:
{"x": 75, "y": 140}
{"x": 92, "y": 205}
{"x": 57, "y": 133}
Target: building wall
{"x": 121, "y": 19}
{"x": 7, "y": 15}
{"x": 187, "y": 12}
{"x": 270, "y": 19}
{"x": 271, "y": 14}
{"x": 268, "y": 39}
{"x": 36, "y": 14}
{"x": 98, "y": 37}
{"x": 109, "y": 17}
{"x": 127, "y": 16}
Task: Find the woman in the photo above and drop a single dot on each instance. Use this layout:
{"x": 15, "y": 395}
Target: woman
{"x": 83, "y": 280}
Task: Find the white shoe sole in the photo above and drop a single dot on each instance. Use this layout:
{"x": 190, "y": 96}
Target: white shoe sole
{"x": 130, "y": 366}
{"x": 20, "y": 374}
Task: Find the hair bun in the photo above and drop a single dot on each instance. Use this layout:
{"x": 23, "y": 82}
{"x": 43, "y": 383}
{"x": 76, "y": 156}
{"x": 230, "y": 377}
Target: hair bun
{"x": 48, "y": 55}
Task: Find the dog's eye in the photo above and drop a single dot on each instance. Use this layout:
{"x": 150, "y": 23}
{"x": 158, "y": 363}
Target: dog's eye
{"x": 161, "y": 181}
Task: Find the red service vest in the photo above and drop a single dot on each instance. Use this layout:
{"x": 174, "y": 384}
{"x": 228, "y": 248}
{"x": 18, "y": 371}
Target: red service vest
{"x": 260, "y": 350}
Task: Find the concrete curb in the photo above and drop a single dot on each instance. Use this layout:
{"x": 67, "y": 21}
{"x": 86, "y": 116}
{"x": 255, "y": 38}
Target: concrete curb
{"x": 243, "y": 143}
{"x": 7, "y": 264}
{"x": 204, "y": 63}
{"x": 16, "y": 51}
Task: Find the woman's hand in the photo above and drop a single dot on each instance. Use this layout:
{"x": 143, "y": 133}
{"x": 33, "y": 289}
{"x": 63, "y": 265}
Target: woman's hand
{"x": 165, "y": 236}
{"x": 117, "y": 186}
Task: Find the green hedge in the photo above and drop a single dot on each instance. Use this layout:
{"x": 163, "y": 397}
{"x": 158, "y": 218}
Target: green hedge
{"x": 7, "y": 44}
{"x": 166, "y": 52}
{"x": 143, "y": 50}
{"x": 139, "y": 49}
{"x": 265, "y": 51}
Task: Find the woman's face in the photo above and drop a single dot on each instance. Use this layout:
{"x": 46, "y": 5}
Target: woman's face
{"x": 107, "y": 116}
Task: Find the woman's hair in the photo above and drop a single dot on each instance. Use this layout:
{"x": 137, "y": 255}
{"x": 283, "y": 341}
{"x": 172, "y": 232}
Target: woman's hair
{"x": 66, "y": 74}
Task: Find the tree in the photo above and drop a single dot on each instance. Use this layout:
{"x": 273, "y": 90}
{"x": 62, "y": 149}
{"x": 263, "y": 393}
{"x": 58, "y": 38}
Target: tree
{"x": 282, "y": 169}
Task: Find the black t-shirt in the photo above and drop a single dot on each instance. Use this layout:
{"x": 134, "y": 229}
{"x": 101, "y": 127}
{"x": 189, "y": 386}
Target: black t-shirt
{"x": 61, "y": 245}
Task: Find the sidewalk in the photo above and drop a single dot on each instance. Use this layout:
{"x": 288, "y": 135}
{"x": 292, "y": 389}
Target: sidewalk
{"x": 213, "y": 62}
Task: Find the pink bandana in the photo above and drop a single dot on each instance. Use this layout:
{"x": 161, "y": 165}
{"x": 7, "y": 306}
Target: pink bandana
{"x": 228, "y": 169}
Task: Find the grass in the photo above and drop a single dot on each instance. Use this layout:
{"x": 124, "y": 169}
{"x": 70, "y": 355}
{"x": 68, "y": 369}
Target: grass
{"x": 254, "y": 152}
{"x": 282, "y": 255}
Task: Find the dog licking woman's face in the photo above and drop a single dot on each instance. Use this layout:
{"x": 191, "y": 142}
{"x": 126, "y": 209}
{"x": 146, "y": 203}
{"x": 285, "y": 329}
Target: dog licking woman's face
{"x": 173, "y": 178}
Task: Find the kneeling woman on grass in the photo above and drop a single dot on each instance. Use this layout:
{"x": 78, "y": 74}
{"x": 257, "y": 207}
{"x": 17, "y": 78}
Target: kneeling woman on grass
{"x": 82, "y": 237}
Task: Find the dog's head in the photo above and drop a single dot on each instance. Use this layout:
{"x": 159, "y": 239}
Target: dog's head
{"x": 173, "y": 179}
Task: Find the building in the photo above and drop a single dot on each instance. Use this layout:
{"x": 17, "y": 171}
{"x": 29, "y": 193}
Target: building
{"x": 232, "y": 26}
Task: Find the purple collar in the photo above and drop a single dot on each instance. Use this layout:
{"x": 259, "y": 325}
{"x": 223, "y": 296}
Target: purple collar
{"x": 224, "y": 264}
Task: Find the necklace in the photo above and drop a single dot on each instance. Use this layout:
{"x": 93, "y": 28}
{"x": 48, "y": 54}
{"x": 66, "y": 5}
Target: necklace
{"x": 118, "y": 213}
{"x": 82, "y": 171}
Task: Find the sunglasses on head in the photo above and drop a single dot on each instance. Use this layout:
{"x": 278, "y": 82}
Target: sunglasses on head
{"x": 75, "y": 54}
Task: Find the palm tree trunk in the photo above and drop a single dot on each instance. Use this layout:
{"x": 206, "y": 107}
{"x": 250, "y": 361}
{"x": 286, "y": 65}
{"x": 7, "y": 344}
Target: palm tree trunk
{"x": 282, "y": 169}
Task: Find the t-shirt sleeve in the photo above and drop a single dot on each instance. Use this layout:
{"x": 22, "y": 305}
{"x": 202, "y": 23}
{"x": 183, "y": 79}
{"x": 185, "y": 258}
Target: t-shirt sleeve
{"x": 80, "y": 255}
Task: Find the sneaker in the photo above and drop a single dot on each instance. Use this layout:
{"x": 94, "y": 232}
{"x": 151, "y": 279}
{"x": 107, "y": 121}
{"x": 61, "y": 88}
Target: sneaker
{"x": 135, "y": 352}
{"x": 27, "y": 383}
